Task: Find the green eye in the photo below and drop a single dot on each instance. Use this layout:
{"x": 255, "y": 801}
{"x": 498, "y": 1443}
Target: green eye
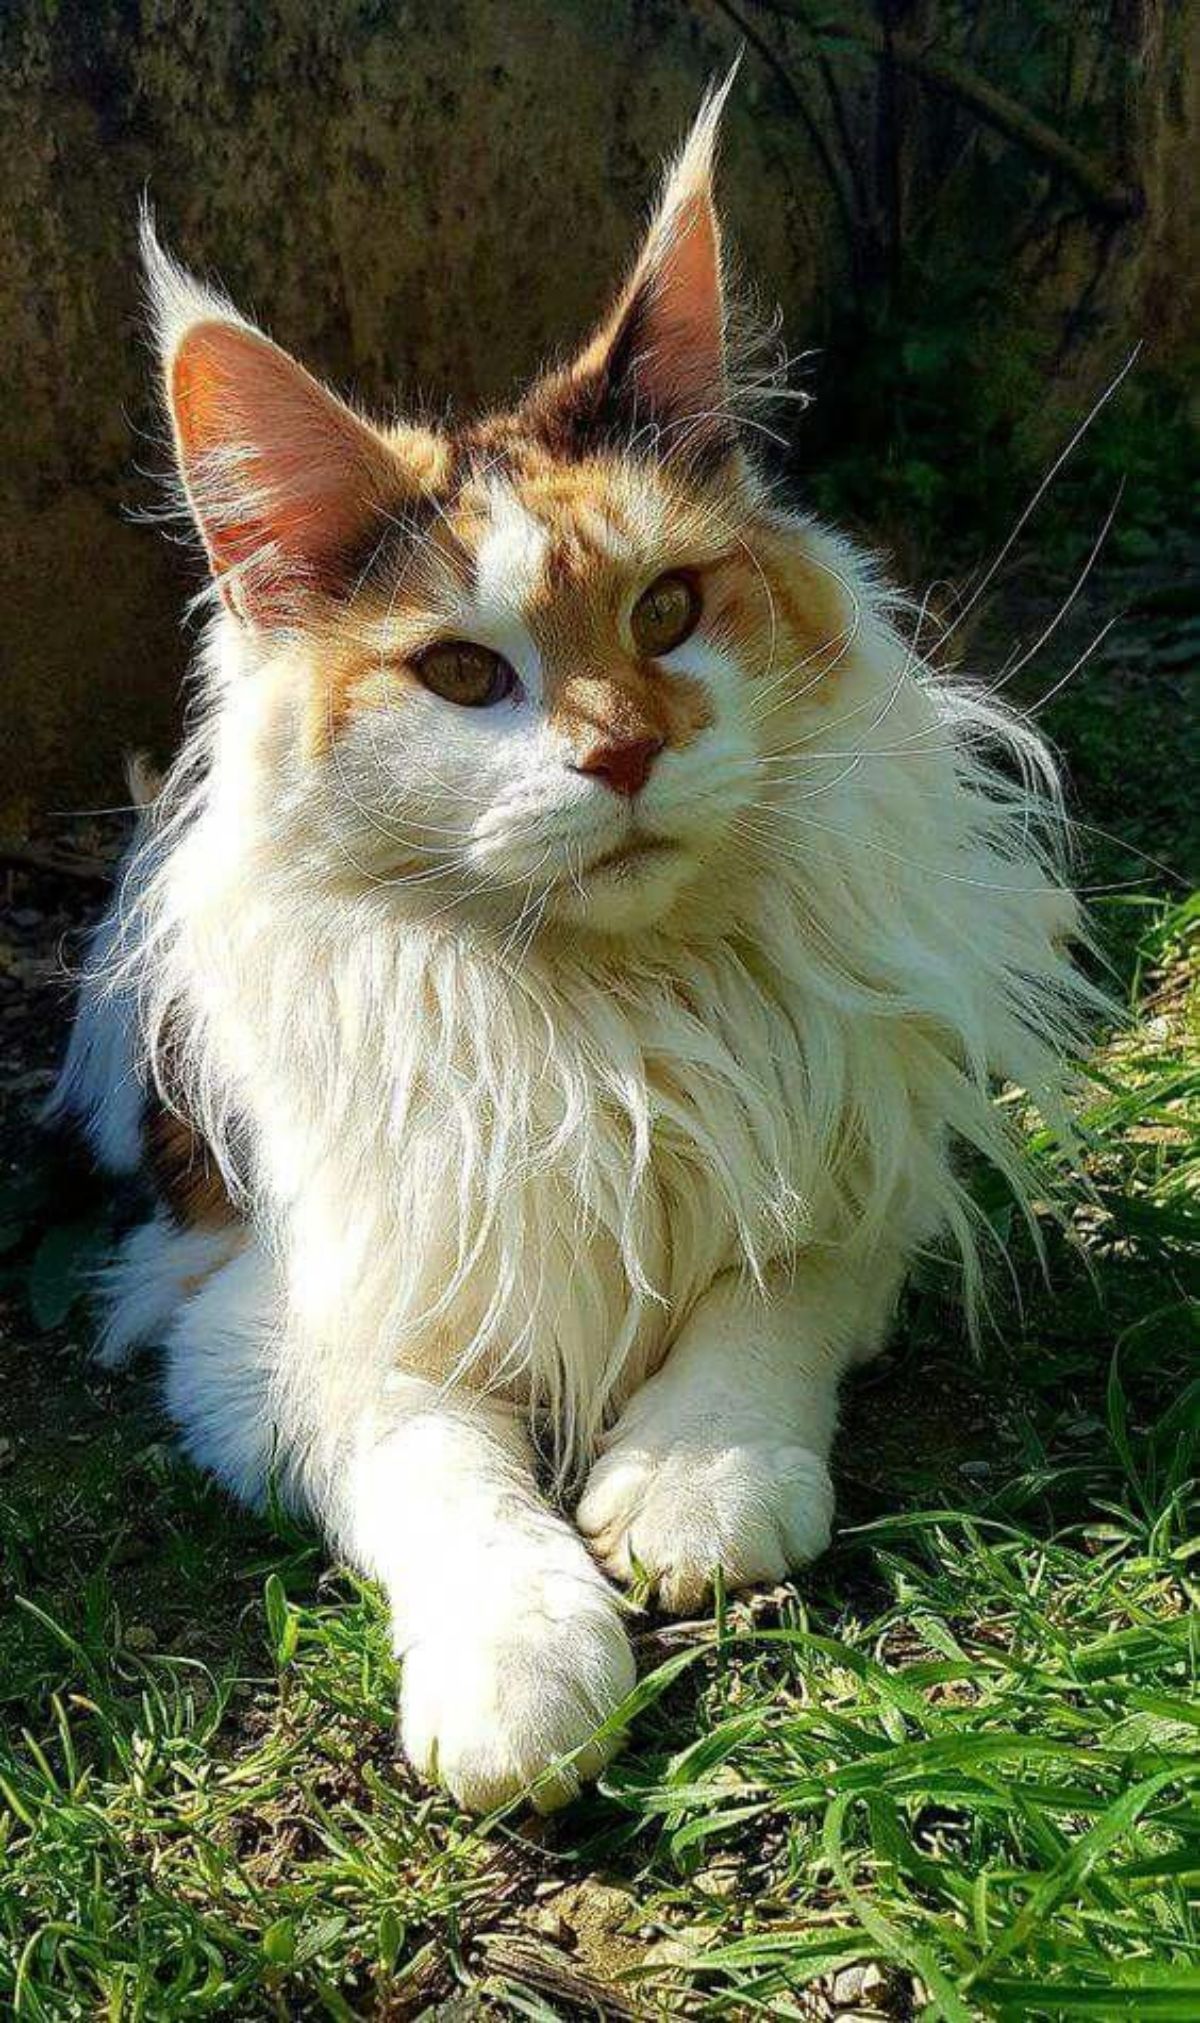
{"x": 666, "y": 614}
{"x": 461, "y": 672}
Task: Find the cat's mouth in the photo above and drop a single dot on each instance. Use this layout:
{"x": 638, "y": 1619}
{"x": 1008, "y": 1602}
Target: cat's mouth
{"x": 632, "y": 854}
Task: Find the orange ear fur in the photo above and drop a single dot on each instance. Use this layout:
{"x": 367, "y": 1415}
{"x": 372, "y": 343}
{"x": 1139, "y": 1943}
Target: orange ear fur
{"x": 284, "y": 479}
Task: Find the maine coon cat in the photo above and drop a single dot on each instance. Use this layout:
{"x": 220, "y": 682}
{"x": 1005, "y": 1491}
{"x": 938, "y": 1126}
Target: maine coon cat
{"x": 548, "y": 992}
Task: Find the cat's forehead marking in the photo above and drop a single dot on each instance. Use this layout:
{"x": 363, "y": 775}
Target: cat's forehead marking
{"x": 533, "y": 537}
{"x": 590, "y": 511}
{"x": 510, "y": 561}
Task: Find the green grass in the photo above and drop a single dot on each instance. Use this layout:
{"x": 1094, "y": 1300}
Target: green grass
{"x": 966, "y": 1747}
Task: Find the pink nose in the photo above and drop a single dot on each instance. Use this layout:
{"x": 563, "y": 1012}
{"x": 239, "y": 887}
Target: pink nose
{"x": 622, "y": 764}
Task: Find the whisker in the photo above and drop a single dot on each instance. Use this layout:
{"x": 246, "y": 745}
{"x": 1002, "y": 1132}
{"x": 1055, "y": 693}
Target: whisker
{"x": 888, "y": 705}
{"x": 1070, "y": 599}
{"x": 849, "y": 633}
{"x": 371, "y": 815}
{"x": 1031, "y": 507}
{"x": 915, "y": 746}
{"x": 1013, "y": 667}
{"x": 766, "y": 809}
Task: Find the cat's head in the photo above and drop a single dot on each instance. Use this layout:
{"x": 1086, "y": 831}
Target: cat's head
{"x": 537, "y": 659}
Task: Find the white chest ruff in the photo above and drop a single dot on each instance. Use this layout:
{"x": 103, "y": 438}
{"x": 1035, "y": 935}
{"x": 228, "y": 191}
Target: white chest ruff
{"x": 534, "y": 1181}
{"x": 530, "y": 1169}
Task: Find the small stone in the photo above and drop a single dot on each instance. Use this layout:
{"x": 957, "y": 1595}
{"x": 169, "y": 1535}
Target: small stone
{"x": 670, "y": 1953}
{"x": 544, "y": 1918}
{"x": 847, "y": 1986}
{"x": 721, "y": 1880}
{"x": 599, "y": 1905}
{"x": 466, "y": 2007}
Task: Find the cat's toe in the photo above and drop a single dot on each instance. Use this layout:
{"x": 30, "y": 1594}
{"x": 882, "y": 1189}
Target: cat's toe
{"x": 489, "y": 1714}
{"x": 754, "y": 1510}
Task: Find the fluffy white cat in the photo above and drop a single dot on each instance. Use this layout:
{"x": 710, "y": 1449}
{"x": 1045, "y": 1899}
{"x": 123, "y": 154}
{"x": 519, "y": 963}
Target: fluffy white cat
{"x": 549, "y": 991}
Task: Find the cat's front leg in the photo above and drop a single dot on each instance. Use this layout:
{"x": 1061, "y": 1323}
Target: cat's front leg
{"x": 512, "y": 1643}
{"x": 721, "y": 1459}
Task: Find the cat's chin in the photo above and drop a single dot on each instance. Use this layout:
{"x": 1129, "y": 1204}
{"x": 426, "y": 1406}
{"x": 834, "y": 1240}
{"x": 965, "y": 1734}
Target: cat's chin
{"x": 631, "y": 887}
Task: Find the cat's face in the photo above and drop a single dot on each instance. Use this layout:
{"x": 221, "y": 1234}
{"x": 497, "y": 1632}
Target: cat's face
{"x": 551, "y": 694}
{"x": 532, "y": 667}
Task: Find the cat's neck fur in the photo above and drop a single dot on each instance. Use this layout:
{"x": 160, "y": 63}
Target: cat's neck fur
{"x": 530, "y": 1160}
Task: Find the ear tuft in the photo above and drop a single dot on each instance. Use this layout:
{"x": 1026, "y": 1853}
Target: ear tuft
{"x": 687, "y": 193}
{"x": 283, "y": 479}
{"x": 656, "y": 368}
{"x": 176, "y": 299}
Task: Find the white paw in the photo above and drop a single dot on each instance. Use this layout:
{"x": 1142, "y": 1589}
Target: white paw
{"x": 486, "y": 1707}
{"x": 676, "y": 1512}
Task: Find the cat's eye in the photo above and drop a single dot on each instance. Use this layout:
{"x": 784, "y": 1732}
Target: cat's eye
{"x": 461, "y": 672}
{"x": 666, "y": 614}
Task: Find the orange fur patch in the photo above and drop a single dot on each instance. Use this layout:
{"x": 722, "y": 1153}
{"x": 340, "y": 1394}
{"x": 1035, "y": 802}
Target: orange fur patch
{"x": 777, "y": 610}
{"x": 185, "y": 1175}
{"x": 763, "y": 599}
{"x": 626, "y": 706}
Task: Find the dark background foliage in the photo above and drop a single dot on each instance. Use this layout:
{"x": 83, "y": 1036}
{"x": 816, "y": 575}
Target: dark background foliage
{"x": 1009, "y": 212}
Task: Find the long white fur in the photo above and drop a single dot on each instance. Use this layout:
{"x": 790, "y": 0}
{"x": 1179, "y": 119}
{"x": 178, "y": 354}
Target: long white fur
{"x": 626, "y": 1165}
{"x": 526, "y": 1179}
{"x": 100, "y": 1086}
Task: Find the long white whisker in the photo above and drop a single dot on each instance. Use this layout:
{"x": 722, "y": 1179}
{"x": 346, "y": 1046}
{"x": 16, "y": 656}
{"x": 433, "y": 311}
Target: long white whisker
{"x": 848, "y": 635}
{"x": 915, "y": 864}
{"x": 916, "y": 745}
{"x": 1031, "y": 507}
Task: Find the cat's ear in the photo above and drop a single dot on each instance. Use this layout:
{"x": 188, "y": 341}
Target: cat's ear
{"x": 656, "y": 369}
{"x": 285, "y": 482}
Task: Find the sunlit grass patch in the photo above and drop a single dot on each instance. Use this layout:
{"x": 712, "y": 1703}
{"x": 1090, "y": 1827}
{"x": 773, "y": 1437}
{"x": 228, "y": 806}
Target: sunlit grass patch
{"x": 973, "y": 1752}
{"x": 185, "y": 1841}
{"x": 991, "y": 1779}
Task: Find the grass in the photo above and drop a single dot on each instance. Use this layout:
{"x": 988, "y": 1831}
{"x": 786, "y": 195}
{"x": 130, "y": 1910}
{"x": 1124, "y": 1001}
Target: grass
{"x": 965, "y": 1750}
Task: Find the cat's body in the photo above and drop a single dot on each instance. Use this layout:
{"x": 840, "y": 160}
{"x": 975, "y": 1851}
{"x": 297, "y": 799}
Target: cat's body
{"x": 559, "y": 1046}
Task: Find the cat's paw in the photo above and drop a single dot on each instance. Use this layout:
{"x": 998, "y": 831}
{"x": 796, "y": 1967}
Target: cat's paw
{"x": 487, "y": 1708}
{"x": 675, "y": 1513}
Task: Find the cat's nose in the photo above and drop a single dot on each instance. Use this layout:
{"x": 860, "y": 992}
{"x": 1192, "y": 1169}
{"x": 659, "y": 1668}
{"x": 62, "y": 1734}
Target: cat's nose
{"x": 622, "y": 763}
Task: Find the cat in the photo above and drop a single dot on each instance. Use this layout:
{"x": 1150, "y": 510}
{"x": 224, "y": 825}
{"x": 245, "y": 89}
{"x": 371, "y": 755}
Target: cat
{"x": 549, "y": 993}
